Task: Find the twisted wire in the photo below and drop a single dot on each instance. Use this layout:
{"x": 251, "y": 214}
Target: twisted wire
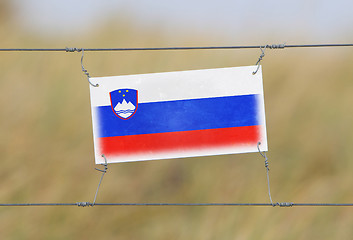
{"x": 263, "y": 154}
{"x": 103, "y": 172}
{"x": 82, "y": 67}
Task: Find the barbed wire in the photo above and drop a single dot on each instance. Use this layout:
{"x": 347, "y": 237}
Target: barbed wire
{"x": 271, "y": 46}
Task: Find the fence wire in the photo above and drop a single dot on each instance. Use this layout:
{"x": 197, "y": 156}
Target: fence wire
{"x": 89, "y": 204}
{"x": 271, "y": 46}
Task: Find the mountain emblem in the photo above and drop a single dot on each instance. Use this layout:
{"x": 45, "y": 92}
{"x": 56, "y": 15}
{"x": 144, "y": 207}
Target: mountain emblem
{"x": 124, "y": 102}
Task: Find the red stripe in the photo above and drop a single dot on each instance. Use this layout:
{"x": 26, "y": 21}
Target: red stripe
{"x": 186, "y": 140}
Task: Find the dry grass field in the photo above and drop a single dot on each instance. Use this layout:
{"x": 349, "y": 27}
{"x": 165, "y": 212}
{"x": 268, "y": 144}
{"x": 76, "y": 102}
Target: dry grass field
{"x": 47, "y": 149}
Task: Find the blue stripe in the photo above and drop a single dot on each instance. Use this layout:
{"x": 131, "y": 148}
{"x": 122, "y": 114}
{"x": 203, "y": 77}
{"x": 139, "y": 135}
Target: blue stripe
{"x": 182, "y": 115}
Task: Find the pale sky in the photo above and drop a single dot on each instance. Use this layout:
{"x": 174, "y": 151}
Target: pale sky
{"x": 314, "y": 20}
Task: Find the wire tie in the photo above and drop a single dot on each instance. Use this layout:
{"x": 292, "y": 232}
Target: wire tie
{"x": 67, "y": 49}
{"x": 260, "y": 59}
{"x": 277, "y": 46}
{"x": 285, "y": 204}
{"x": 105, "y": 164}
{"x": 263, "y": 154}
{"x": 84, "y": 204}
{"x": 103, "y": 172}
{"x": 273, "y": 46}
{"x": 85, "y": 71}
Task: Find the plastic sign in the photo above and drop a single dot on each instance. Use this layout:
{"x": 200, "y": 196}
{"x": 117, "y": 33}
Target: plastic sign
{"x": 178, "y": 114}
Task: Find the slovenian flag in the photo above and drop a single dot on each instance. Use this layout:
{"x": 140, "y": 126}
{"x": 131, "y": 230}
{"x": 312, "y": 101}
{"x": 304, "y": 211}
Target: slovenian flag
{"x": 178, "y": 114}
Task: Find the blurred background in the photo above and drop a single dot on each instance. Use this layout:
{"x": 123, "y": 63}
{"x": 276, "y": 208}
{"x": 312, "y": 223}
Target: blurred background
{"x": 46, "y": 137}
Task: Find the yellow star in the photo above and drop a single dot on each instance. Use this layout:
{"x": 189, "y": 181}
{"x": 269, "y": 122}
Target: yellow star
{"x": 127, "y": 90}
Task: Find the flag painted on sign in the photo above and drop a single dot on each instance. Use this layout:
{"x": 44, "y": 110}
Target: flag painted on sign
{"x": 124, "y": 102}
{"x": 178, "y": 114}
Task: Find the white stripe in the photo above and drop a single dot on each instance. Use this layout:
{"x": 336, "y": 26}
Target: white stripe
{"x": 181, "y": 85}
